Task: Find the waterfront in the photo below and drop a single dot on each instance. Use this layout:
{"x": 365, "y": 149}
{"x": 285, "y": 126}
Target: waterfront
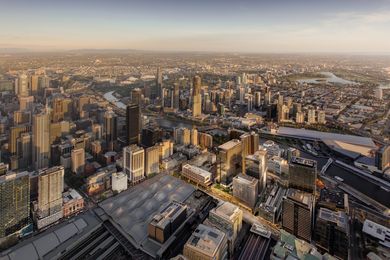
{"x": 329, "y": 78}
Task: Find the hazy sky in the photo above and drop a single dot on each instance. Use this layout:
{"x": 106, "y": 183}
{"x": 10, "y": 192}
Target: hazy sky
{"x": 200, "y": 25}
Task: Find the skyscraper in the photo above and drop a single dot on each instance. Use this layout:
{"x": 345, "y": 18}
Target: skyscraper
{"x": 176, "y": 96}
{"x": 152, "y": 160}
{"x": 110, "y": 129}
{"x": 303, "y": 174}
{"x": 23, "y": 86}
{"x": 297, "y": 213}
{"x": 196, "y": 97}
{"x": 133, "y": 123}
{"x": 14, "y": 202}
{"x": 50, "y": 188}
{"x": 159, "y": 83}
{"x": 78, "y": 160}
{"x": 41, "y": 140}
{"x": 133, "y": 163}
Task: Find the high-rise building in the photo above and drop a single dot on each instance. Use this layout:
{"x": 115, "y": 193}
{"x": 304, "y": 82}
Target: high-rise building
{"x": 321, "y": 119}
{"x": 133, "y": 163}
{"x": 297, "y": 213}
{"x": 205, "y": 140}
{"x": 227, "y": 218}
{"x": 78, "y": 160}
{"x": 303, "y": 174}
{"x": 41, "y": 140}
{"x": 22, "y": 117}
{"x": 14, "y": 202}
{"x": 166, "y": 149}
{"x": 14, "y": 133}
{"x": 110, "y": 129}
{"x": 26, "y": 103}
{"x": 331, "y": 232}
{"x": 250, "y": 143}
{"x": 152, "y": 160}
{"x": 24, "y": 150}
{"x": 50, "y": 188}
{"x": 194, "y": 137}
{"x": 196, "y": 97}
{"x": 206, "y": 243}
{"x": 182, "y": 135}
{"x": 119, "y": 182}
{"x": 300, "y": 118}
{"x": 61, "y": 109}
{"x": 34, "y": 84}
{"x": 176, "y": 95}
{"x": 382, "y": 157}
{"x": 159, "y": 83}
{"x": 229, "y": 160}
{"x": 311, "y": 116}
{"x": 150, "y": 136}
{"x": 133, "y": 124}
{"x": 246, "y": 189}
{"x": 23, "y": 86}
{"x": 256, "y": 167}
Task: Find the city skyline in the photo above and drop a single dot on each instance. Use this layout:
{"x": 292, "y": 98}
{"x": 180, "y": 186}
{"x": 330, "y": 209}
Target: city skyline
{"x": 224, "y": 26}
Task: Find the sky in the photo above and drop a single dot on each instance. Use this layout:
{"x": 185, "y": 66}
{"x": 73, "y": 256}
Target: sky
{"x": 270, "y": 26}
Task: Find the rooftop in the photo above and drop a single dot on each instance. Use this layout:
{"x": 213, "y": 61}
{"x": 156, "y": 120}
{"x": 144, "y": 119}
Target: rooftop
{"x": 207, "y": 239}
{"x": 198, "y": 170}
{"x": 337, "y": 217}
{"x": 230, "y": 144}
{"x": 171, "y": 212}
{"x": 226, "y": 210}
{"x": 303, "y": 162}
{"x": 248, "y": 180}
{"x": 300, "y": 196}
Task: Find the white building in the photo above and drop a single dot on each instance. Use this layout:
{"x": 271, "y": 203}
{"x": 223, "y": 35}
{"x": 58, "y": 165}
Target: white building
{"x": 133, "y": 163}
{"x": 119, "y": 181}
{"x": 197, "y": 175}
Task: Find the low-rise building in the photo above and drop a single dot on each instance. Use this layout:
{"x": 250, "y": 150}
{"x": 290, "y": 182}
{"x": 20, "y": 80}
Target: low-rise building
{"x": 197, "y": 175}
{"x": 118, "y": 182}
{"x": 73, "y": 202}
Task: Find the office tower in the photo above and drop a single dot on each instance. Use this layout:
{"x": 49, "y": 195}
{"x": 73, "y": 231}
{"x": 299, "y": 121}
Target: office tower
{"x": 133, "y": 163}
{"x": 205, "y": 140}
{"x": 110, "y": 129}
{"x": 196, "y": 97}
{"x": 311, "y": 116}
{"x": 246, "y": 189}
{"x": 41, "y": 140}
{"x": 256, "y": 167}
{"x": 159, "y": 83}
{"x": 206, "y": 243}
{"x": 79, "y": 106}
{"x": 136, "y": 96}
{"x": 24, "y": 150}
{"x": 14, "y": 133}
{"x": 331, "y": 231}
{"x": 194, "y": 137}
{"x": 78, "y": 160}
{"x": 382, "y": 157}
{"x": 26, "y": 102}
{"x": 57, "y": 130}
{"x": 379, "y": 93}
{"x": 43, "y": 83}
{"x": 50, "y": 188}
{"x": 151, "y": 136}
{"x": 23, "y": 86}
{"x": 297, "y": 107}
{"x": 166, "y": 149}
{"x": 267, "y": 97}
{"x": 22, "y": 117}
{"x": 229, "y": 160}
{"x": 297, "y": 213}
{"x": 321, "y": 117}
{"x": 133, "y": 123}
{"x": 14, "y": 202}
{"x": 228, "y": 218}
{"x": 300, "y": 118}
{"x": 303, "y": 174}
{"x": 291, "y": 152}
{"x": 176, "y": 95}
{"x": 250, "y": 143}
{"x": 257, "y": 99}
{"x": 250, "y": 102}
{"x": 182, "y": 136}
{"x": 61, "y": 109}
{"x": 152, "y": 160}
{"x": 34, "y": 84}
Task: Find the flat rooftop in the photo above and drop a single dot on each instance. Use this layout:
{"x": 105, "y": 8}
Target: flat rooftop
{"x": 198, "y": 170}
{"x": 171, "y": 212}
{"x": 226, "y": 209}
{"x": 303, "y": 162}
{"x": 249, "y": 180}
{"x": 206, "y": 239}
{"x": 300, "y": 196}
{"x": 230, "y": 144}
{"x": 337, "y": 217}
{"x": 132, "y": 210}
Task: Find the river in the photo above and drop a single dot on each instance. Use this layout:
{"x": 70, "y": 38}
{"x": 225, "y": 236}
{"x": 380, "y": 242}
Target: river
{"x": 330, "y": 78}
